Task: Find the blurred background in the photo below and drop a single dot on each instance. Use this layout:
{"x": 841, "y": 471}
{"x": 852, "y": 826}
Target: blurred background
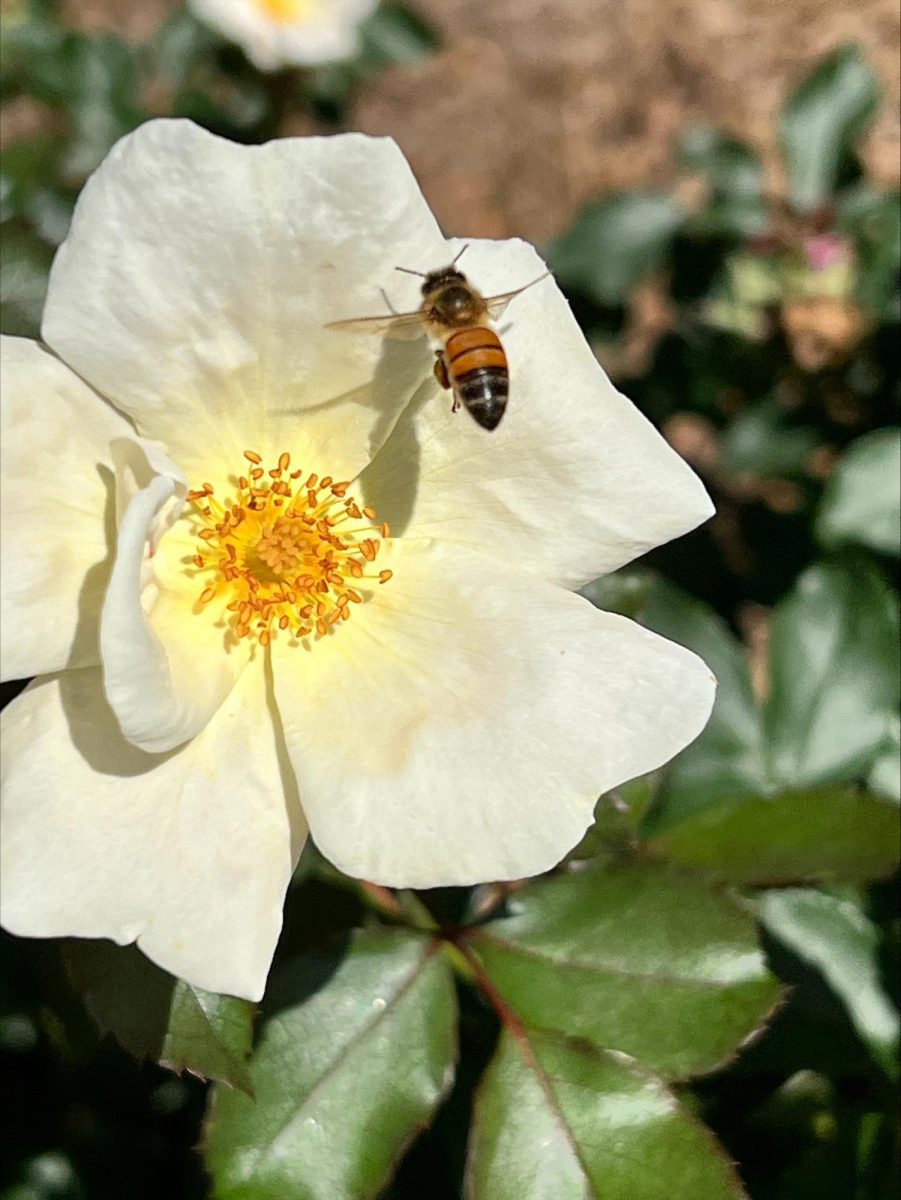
{"x": 715, "y": 185}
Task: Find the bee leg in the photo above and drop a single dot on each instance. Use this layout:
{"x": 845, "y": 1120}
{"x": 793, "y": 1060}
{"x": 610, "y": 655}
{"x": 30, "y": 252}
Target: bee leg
{"x": 441, "y": 369}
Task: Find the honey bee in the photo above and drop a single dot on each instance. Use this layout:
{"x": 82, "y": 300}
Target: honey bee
{"x": 471, "y": 360}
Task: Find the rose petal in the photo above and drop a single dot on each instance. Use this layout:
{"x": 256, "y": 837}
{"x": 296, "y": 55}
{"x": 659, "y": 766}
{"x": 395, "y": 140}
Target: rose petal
{"x": 197, "y": 278}
{"x": 166, "y": 666}
{"x": 461, "y": 725}
{"x": 56, "y": 511}
{"x": 189, "y": 853}
{"x": 573, "y": 483}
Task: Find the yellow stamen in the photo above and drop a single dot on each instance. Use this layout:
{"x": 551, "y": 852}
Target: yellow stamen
{"x": 276, "y": 562}
{"x": 288, "y": 11}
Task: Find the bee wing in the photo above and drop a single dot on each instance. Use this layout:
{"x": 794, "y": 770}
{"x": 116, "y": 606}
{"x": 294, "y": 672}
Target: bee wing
{"x": 399, "y": 325}
{"x": 497, "y": 304}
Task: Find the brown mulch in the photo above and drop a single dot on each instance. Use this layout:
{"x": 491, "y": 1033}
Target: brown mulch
{"x": 534, "y": 106}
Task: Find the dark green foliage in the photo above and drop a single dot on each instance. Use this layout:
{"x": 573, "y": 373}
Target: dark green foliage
{"x": 622, "y": 957}
{"x": 616, "y": 243}
{"x": 587, "y": 1124}
{"x": 157, "y": 1017}
{"x": 821, "y": 120}
{"x": 353, "y": 1061}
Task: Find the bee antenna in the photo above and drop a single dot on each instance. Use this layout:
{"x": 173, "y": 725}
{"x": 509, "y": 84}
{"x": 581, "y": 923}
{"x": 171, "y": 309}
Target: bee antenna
{"x": 408, "y": 271}
{"x": 460, "y": 254}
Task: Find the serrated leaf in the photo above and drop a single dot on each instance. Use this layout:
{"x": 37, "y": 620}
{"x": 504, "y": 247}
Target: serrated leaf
{"x": 561, "y": 1120}
{"x": 616, "y": 243}
{"x": 834, "y": 674}
{"x": 862, "y": 501}
{"x": 635, "y": 958}
{"x": 820, "y": 121}
{"x": 834, "y": 934}
{"x": 728, "y": 758}
{"x": 351, "y": 1064}
{"x": 822, "y": 834}
{"x": 153, "y": 1015}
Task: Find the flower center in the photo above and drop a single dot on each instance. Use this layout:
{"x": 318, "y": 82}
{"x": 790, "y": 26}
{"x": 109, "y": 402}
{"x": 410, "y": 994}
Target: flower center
{"x": 287, "y": 554}
{"x": 288, "y": 11}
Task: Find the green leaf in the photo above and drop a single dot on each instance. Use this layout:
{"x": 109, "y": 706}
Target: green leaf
{"x": 729, "y": 165}
{"x": 153, "y": 1015}
{"x": 625, "y": 591}
{"x": 634, "y": 958}
{"x": 95, "y": 80}
{"x": 834, "y": 934}
{"x": 28, "y": 190}
{"x": 834, "y": 674}
{"x": 351, "y": 1065}
{"x": 862, "y": 501}
{"x": 180, "y": 43}
{"x": 823, "y": 834}
{"x": 617, "y": 816}
{"x": 395, "y": 33}
{"x": 728, "y": 758}
{"x": 26, "y": 35}
{"x": 873, "y": 219}
{"x": 26, "y": 165}
{"x": 560, "y": 1120}
{"x": 103, "y": 72}
{"x": 735, "y": 175}
{"x": 616, "y": 243}
{"x": 766, "y": 440}
{"x": 24, "y": 267}
{"x": 820, "y": 121}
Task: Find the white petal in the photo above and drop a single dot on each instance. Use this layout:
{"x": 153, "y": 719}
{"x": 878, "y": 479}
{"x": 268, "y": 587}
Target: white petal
{"x": 327, "y": 31}
{"x": 166, "y": 666}
{"x": 461, "y": 726}
{"x": 188, "y": 853}
{"x": 198, "y": 275}
{"x": 56, "y": 510}
{"x": 573, "y": 483}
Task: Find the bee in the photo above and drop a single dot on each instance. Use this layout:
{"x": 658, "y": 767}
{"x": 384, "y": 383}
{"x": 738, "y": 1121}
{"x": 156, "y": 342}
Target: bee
{"x": 470, "y": 361}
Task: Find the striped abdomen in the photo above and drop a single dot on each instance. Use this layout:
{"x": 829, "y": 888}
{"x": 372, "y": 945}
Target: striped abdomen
{"x": 477, "y": 369}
